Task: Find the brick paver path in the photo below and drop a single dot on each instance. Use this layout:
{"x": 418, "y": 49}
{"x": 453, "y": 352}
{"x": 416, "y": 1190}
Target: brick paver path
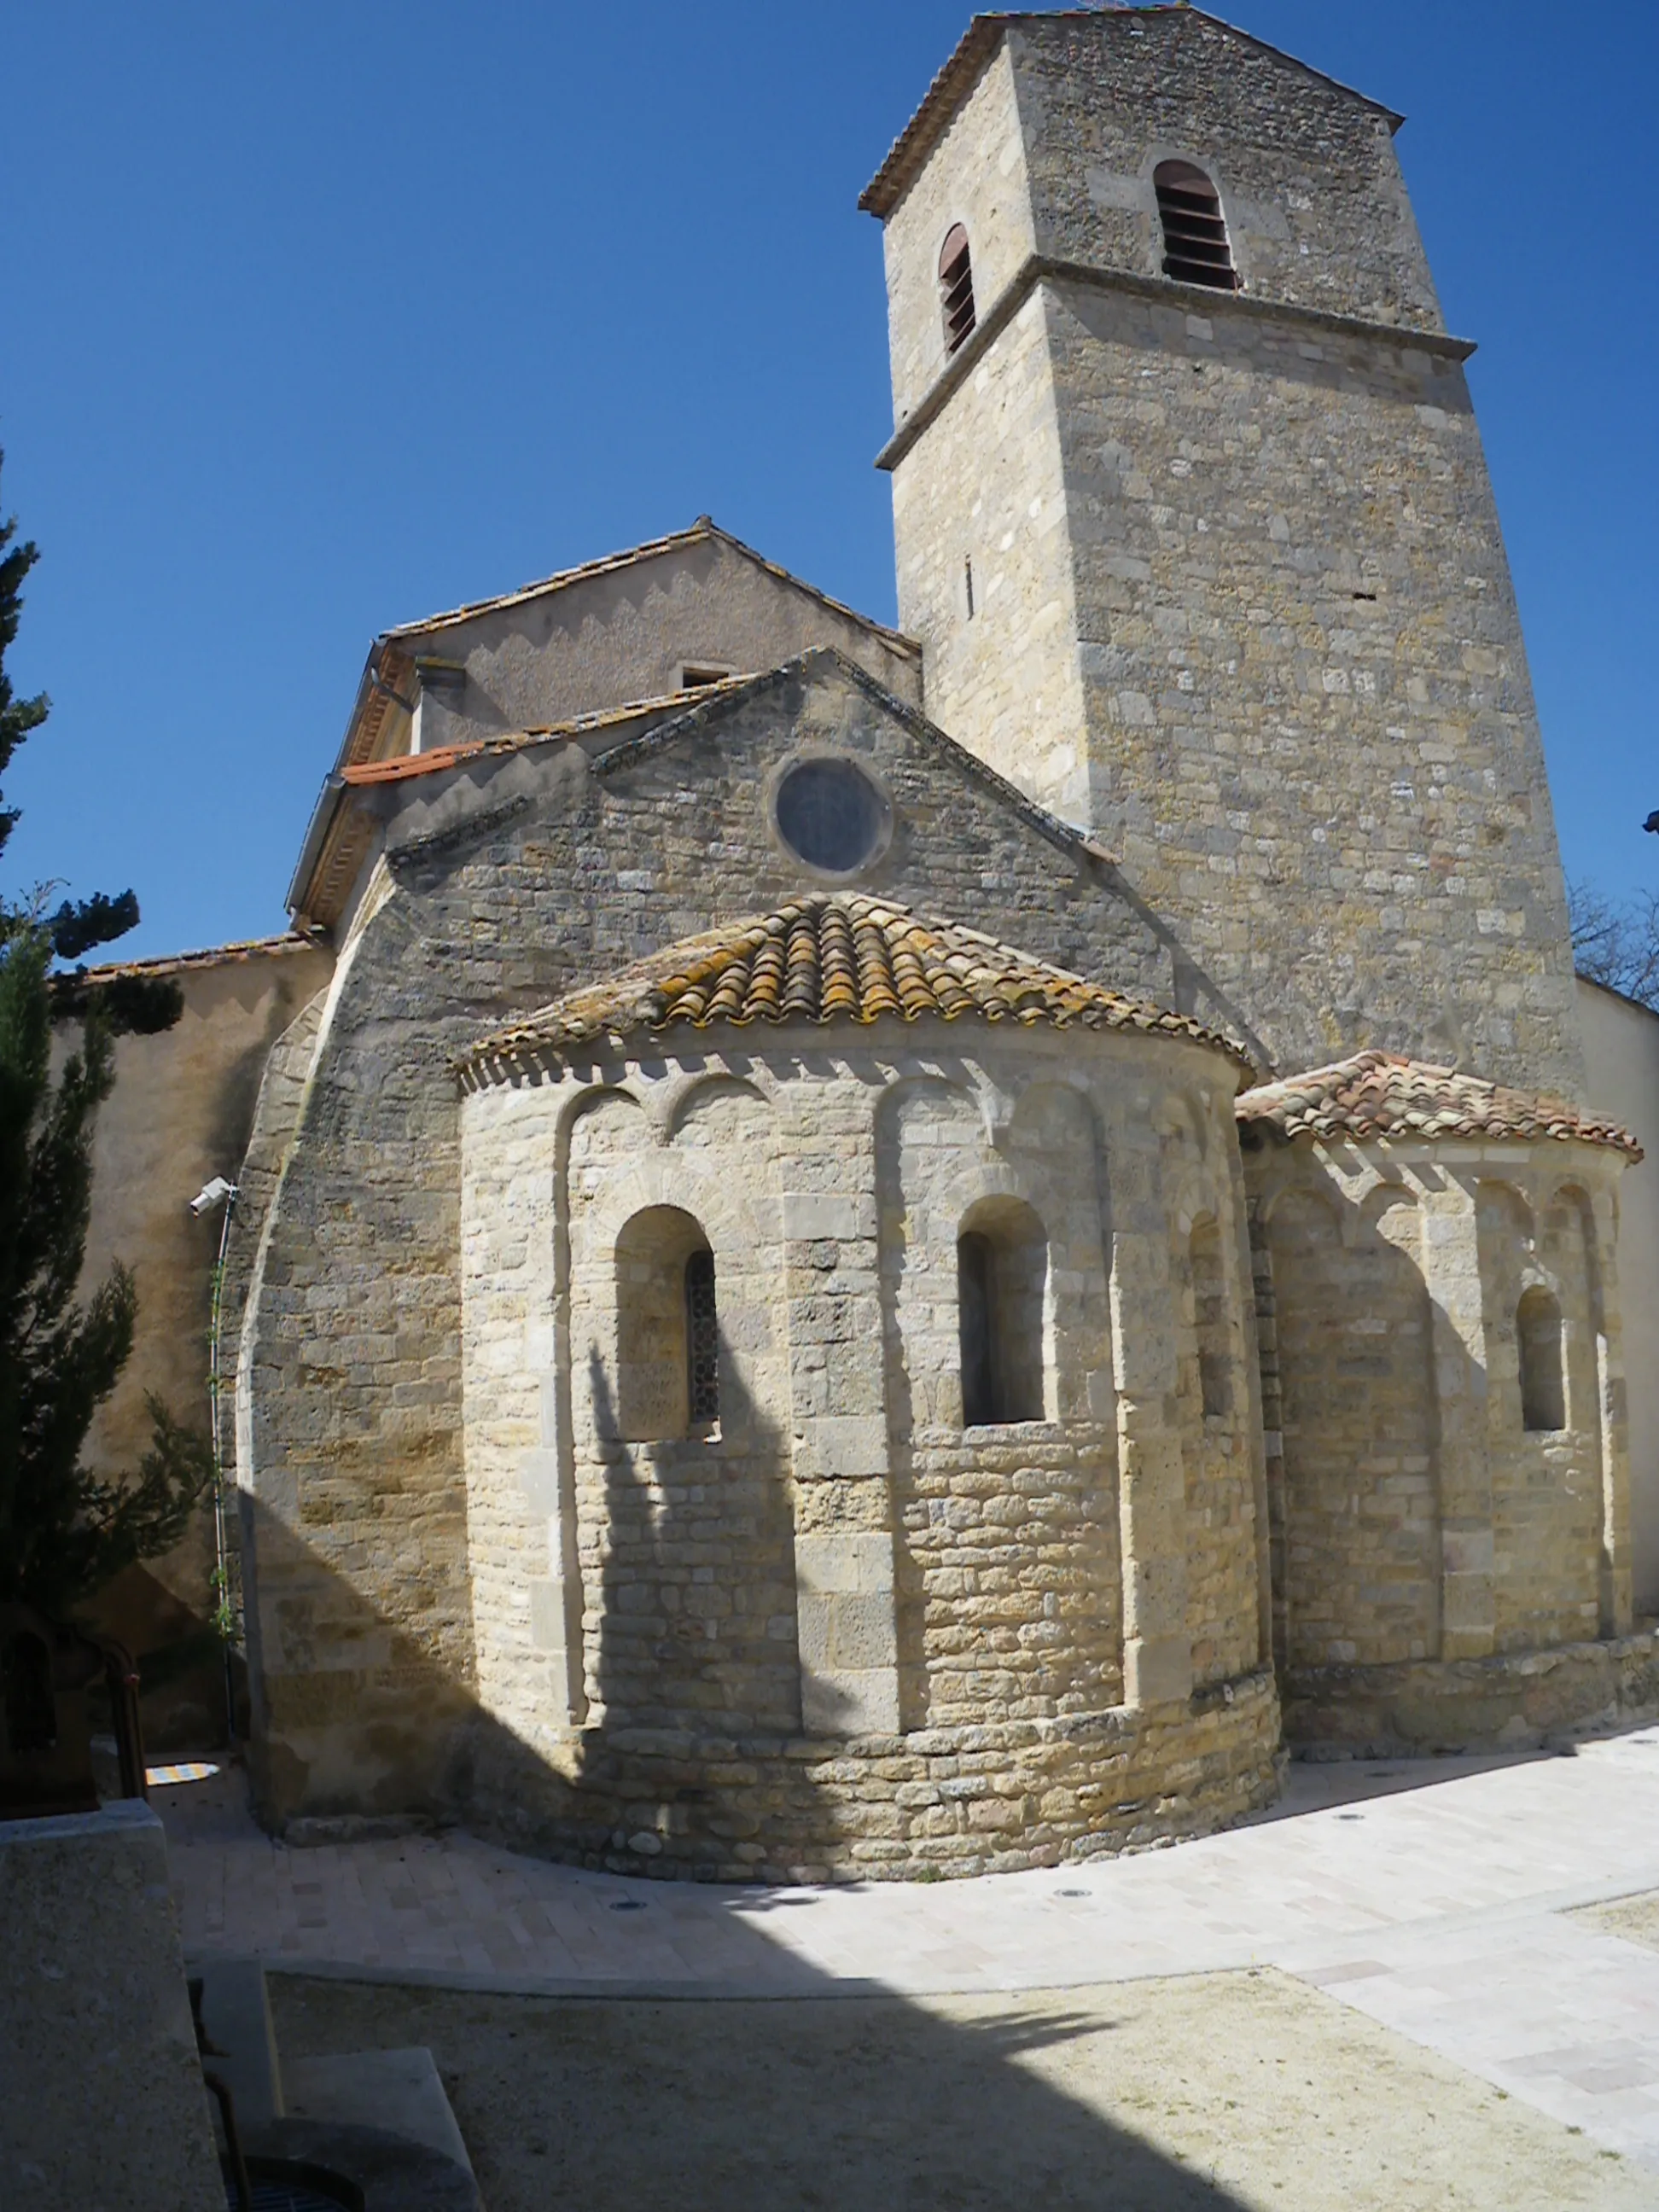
{"x": 1430, "y": 1894}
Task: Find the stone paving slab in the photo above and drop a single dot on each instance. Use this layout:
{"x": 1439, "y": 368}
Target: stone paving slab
{"x": 1427, "y": 1894}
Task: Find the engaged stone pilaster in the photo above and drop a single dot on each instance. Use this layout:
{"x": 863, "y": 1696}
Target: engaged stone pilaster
{"x": 847, "y": 1614}
{"x": 1157, "y": 1653}
{"x": 1451, "y": 1269}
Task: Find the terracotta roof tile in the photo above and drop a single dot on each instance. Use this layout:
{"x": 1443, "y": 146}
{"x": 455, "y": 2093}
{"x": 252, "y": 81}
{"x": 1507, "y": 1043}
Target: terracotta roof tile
{"x": 213, "y": 956}
{"x": 1379, "y": 1094}
{"x": 832, "y": 958}
{"x": 402, "y": 766}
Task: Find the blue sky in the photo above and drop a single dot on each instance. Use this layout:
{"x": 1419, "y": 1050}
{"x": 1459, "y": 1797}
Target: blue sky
{"x": 315, "y": 319}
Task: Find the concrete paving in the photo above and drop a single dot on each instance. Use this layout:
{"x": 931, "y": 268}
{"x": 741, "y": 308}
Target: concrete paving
{"x": 1431, "y": 1895}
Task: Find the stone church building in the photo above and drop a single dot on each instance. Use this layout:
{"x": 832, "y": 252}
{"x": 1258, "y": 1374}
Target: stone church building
{"x": 865, "y": 1251}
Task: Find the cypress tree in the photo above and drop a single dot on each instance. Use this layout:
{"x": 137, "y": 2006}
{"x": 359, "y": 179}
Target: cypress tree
{"x": 64, "y": 1531}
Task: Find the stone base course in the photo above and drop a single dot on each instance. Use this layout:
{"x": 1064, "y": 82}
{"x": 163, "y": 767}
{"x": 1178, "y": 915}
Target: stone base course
{"x": 1518, "y": 1701}
{"x": 939, "y": 1801}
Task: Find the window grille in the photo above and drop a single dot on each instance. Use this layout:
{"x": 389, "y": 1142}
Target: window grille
{"x": 702, "y": 1339}
{"x": 955, "y": 286}
{"x": 1195, "y": 246}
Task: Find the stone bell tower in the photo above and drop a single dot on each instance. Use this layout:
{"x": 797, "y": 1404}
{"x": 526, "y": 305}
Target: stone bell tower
{"x": 1194, "y": 526}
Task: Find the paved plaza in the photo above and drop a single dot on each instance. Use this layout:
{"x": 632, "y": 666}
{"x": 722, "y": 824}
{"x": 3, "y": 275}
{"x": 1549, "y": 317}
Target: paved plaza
{"x": 1443, "y": 1899}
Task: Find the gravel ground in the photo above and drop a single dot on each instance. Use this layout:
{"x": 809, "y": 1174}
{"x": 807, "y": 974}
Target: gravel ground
{"x": 1209, "y": 2093}
{"x": 1636, "y": 1918}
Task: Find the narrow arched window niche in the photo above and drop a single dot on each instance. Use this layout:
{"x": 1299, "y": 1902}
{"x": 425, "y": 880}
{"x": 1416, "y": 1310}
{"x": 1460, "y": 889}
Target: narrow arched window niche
{"x": 667, "y": 1365}
{"x": 955, "y": 287}
{"x": 1537, "y": 1341}
{"x": 1002, "y": 1281}
{"x": 1196, "y": 247}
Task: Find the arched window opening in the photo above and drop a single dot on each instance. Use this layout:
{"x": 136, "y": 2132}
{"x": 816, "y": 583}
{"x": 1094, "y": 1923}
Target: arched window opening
{"x": 31, "y": 1710}
{"x": 702, "y": 1340}
{"x": 1195, "y": 246}
{"x": 1537, "y": 1336}
{"x": 1002, "y": 1277}
{"x": 955, "y": 287}
{"x": 667, "y": 1379}
{"x": 1215, "y": 1363}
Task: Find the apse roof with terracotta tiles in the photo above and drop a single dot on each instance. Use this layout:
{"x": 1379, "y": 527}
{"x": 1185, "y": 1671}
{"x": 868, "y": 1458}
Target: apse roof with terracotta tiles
{"x": 1379, "y": 1094}
{"x": 837, "y": 957}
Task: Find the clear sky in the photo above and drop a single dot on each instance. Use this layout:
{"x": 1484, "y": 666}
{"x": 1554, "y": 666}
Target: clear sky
{"x": 318, "y": 318}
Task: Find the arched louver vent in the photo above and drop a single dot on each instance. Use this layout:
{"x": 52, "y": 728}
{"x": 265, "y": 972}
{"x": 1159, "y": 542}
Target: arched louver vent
{"x": 1195, "y": 248}
{"x": 955, "y": 287}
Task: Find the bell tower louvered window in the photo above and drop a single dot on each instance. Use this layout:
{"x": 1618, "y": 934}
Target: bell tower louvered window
{"x": 955, "y": 287}
{"x": 1195, "y": 247}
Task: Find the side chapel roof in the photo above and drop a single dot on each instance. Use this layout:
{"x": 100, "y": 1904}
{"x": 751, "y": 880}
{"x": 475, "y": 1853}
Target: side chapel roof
{"x": 1381, "y": 1094}
{"x": 834, "y": 956}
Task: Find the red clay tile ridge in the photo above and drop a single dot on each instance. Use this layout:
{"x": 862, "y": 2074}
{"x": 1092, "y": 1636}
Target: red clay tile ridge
{"x": 1380, "y": 1094}
{"x": 831, "y": 957}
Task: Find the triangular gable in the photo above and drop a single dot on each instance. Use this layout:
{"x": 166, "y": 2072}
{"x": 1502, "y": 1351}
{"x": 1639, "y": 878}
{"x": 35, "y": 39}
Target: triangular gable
{"x": 704, "y": 531}
{"x": 343, "y": 833}
{"x": 698, "y": 720}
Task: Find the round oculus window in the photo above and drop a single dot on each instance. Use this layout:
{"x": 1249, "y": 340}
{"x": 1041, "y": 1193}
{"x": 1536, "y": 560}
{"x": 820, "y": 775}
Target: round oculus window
{"x": 830, "y": 814}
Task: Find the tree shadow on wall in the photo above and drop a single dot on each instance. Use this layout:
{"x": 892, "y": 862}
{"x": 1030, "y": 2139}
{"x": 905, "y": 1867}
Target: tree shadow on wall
{"x": 694, "y": 1676}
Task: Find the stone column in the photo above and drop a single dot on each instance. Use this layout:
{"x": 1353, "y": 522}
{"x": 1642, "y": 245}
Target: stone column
{"x": 1157, "y": 1652}
{"x": 846, "y": 1610}
{"x": 1451, "y": 1269}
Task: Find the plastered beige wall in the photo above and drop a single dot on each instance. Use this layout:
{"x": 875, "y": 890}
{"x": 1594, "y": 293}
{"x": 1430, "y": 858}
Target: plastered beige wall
{"x": 179, "y": 1114}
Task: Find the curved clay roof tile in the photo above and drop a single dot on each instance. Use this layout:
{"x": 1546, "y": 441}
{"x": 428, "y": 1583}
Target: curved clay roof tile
{"x": 834, "y": 956}
{"x": 1379, "y": 1094}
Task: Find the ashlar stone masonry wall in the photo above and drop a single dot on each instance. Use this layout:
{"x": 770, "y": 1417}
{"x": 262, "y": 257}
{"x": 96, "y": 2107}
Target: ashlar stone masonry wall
{"x": 1241, "y": 604}
{"x": 363, "y": 1652}
{"x": 1417, "y": 1519}
{"x": 838, "y": 1558}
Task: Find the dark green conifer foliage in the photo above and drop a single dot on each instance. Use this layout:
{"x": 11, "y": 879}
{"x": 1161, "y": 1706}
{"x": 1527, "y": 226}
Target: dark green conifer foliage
{"x": 62, "y": 1531}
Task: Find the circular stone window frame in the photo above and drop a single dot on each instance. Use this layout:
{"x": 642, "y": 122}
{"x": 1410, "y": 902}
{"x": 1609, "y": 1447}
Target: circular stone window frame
{"x": 802, "y": 757}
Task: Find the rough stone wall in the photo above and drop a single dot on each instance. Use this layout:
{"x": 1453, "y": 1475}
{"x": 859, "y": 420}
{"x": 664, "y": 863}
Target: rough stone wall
{"x": 984, "y": 499}
{"x": 662, "y": 1732}
{"x": 350, "y": 1446}
{"x": 1311, "y": 728}
{"x": 607, "y": 641}
{"x": 1418, "y": 1520}
{"x": 1285, "y": 680}
{"x": 977, "y": 177}
{"x": 1316, "y": 206}
{"x": 1227, "y": 1617}
{"x": 1546, "y": 1484}
{"x": 686, "y": 1543}
{"x": 1362, "y": 1537}
{"x": 1010, "y": 1587}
